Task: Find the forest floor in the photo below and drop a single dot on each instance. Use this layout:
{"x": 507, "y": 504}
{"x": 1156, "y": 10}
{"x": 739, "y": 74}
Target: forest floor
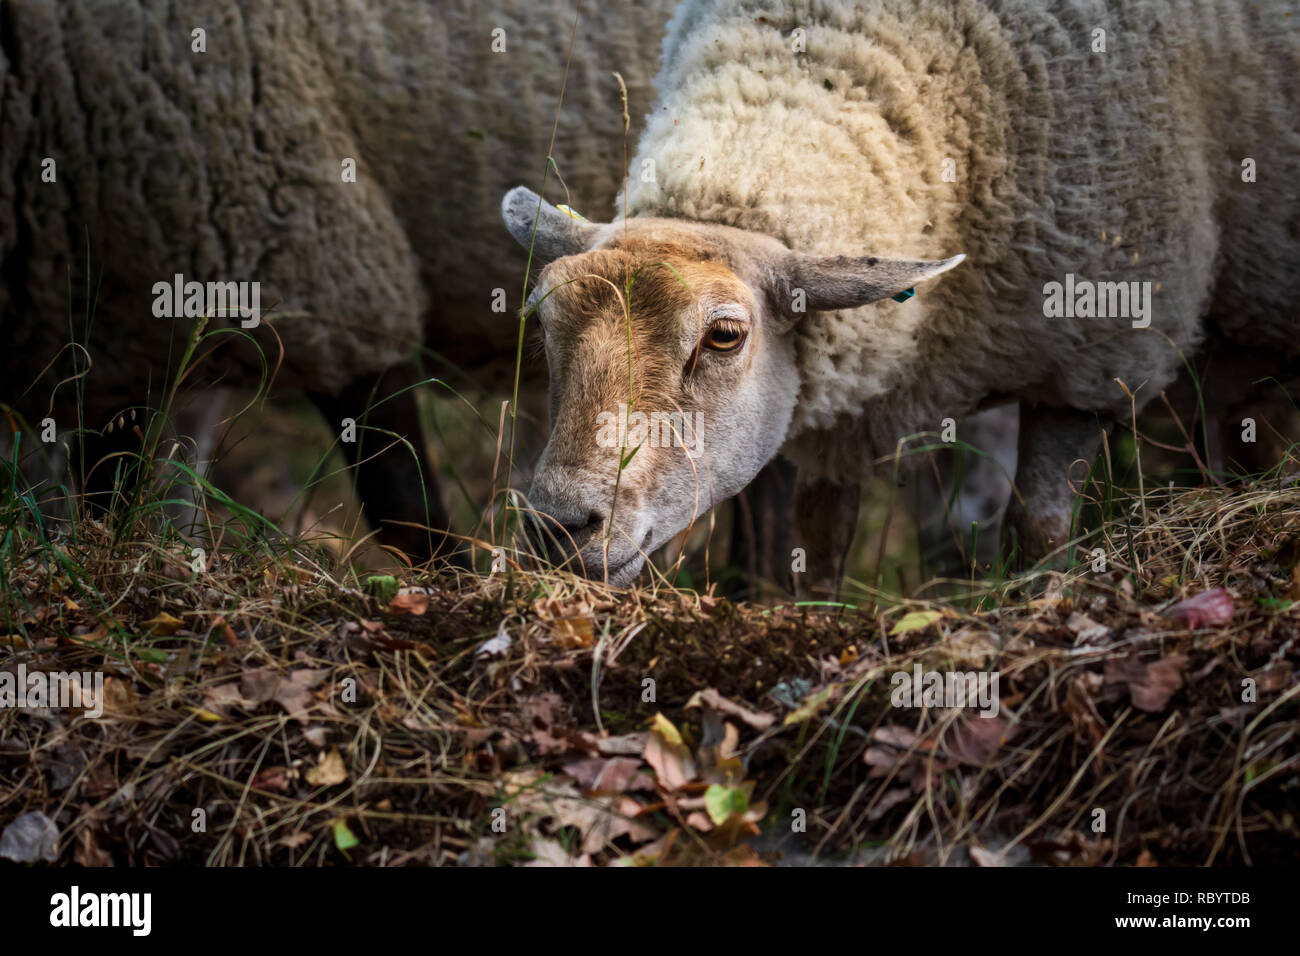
{"x": 272, "y": 704}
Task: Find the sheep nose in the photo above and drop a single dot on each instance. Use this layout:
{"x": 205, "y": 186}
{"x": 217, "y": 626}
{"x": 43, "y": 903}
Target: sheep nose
{"x": 572, "y": 521}
{"x": 558, "y": 528}
{"x": 580, "y": 529}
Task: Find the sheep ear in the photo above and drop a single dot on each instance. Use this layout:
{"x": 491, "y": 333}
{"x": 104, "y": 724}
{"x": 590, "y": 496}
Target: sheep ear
{"x": 846, "y": 282}
{"x": 557, "y": 233}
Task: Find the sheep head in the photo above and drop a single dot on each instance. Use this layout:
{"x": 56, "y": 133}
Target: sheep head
{"x": 672, "y": 376}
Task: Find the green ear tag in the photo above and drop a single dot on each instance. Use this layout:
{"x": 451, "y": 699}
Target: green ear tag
{"x": 904, "y": 295}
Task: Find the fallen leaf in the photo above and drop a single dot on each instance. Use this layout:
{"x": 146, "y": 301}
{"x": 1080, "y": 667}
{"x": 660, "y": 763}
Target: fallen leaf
{"x": 711, "y": 698}
{"x": 1150, "y": 684}
{"x": 973, "y": 740}
{"x": 31, "y": 837}
{"x": 227, "y": 632}
{"x": 1085, "y": 629}
{"x": 970, "y": 647}
{"x": 344, "y": 838}
{"x": 329, "y": 771}
{"x": 163, "y": 624}
{"x": 572, "y": 632}
{"x": 550, "y": 853}
{"x": 627, "y": 745}
{"x": 668, "y": 756}
{"x": 810, "y": 706}
{"x": 915, "y": 621}
{"x": 614, "y": 774}
{"x": 1206, "y": 609}
{"x": 88, "y": 851}
{"x": 888, "y": 800}
{"x": 258, "y": 686}
{"x": 600, "y": 820}
{"x": 409, "y": 601}
{"x": 722, "y": 802}
{"x": 274, "y": 778}
{"x": 665, "y": 728}
{"x": 1275, "y": 677}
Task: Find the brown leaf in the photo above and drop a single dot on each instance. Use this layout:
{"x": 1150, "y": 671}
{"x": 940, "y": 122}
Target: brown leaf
{"x": 549, "y": 853}
{"x": 628, "y": 744}
{"x": 275, "y": 778}
{"x": 711, "y": 698}
{"x": 613, "y": 775}
{"x": 88, "y": 851}
{"x": 974, "y": 740}
{"x": 1086, "y": 630}
{"x": 1150, "y": 684}
{"x": 258, "y": 686}
{"x": 227, "y": 632}
{"x": 670, "y": 758}
{"x": 573, "y": 632}
{"x": 329, "y": 771}
{"x": 896, "y": 736}
{"x": 1275, "y": 677}
{"x": 409, "y": 601}
{"x": 600, "y": 820}
{"x": 222, "y": 697}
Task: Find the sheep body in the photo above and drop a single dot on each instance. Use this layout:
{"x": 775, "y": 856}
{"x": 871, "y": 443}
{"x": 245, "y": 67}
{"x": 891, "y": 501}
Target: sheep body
{"x": 1117, "y": 166}
{"x": 226, "y": 165}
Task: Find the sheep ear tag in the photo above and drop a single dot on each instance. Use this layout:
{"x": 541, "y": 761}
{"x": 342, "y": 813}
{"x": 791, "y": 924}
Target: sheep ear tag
{"x": 904, "y": 295}
{"x": 572, "y": 213}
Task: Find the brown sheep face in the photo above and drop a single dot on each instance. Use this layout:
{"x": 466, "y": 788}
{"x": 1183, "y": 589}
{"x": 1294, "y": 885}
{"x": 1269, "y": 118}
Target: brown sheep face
{"x": 672, "y": 381}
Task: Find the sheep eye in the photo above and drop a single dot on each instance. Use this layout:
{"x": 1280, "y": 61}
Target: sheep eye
{"x": 724, "y": 337}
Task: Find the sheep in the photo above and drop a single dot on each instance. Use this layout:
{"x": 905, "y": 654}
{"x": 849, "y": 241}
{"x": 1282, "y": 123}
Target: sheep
{"x": 346, "y": 159}
{"x": 807, "y": 166}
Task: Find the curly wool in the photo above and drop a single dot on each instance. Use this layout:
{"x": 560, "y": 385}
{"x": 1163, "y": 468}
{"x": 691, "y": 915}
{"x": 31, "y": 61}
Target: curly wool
{"x": 1123, "y": 165}
{"x": 226, "y": 165}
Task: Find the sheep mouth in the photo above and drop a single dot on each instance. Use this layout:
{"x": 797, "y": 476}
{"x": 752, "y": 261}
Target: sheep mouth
{"x": 623, "y": 575}
{"x": 620, "y": 571}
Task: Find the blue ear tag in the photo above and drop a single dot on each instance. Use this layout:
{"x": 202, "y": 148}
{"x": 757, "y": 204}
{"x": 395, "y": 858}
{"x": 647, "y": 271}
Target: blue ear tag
{"x": 904, "y": 295}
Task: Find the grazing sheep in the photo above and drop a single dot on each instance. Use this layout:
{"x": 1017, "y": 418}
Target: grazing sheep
{"x": 1056, "y": 145}
{"x": 218, "y": 143}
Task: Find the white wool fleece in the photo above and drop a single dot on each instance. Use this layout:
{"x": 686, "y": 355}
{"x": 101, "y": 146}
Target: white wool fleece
{"x": 831, "y": 124}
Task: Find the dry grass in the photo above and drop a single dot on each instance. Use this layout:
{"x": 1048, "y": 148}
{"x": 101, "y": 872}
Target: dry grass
{"x": 303, "y": 715}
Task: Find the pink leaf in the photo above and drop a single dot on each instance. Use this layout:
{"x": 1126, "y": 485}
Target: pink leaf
{"x": 1203, "y": 610}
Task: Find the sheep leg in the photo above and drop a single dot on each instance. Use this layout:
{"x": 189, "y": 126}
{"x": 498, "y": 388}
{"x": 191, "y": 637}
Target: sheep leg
{"x": 1051, "y": 440}
{"x": 761, "y": 532}
{"x": 825, "y": 517}
{"x": 397, "y": 489}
